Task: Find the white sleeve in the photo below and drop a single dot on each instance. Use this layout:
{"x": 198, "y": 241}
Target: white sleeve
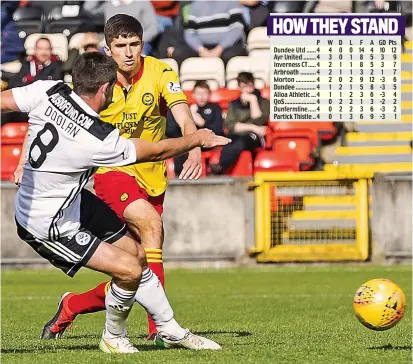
{"x": 29, "y": 97}
{"x": 115, "y": 151}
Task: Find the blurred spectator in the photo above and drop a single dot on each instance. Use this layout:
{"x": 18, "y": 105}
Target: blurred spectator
{"x": 213, "y": 29}
{"x": 94, "y": 8}
{"x": 141, "y": 10}
{"x": 12, "y": 47}
{"x": 206, "y": 115}
{"x": 260, "y": 9}
{"x": 43, "y": 65}
{"x": 246, "y": 123}
{"x": 90, "y": 43}
{"x": 166, "y": 12}
{"x": 169, "y": 9}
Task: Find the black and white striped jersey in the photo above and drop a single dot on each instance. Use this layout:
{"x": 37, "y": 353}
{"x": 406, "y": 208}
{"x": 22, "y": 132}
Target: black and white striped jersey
{"x": 67, "y": 142}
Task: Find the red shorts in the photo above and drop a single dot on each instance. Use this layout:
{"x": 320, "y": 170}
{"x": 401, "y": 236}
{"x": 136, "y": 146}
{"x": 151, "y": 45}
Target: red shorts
{"x": 119, "y": 189}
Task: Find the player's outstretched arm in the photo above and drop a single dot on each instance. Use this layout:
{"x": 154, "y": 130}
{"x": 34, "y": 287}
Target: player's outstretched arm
{"x": 7, "y": 102}
{"x": 169, "y": 148}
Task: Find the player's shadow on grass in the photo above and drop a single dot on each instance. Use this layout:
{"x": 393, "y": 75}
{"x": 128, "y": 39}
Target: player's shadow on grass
{"x": 214, "y": 332}
{"x": 391, "y": 347}
{"x": 219, "y": 332}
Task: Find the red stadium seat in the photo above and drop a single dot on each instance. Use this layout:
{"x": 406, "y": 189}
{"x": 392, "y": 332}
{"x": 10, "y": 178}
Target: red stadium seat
{"x": 273, "y": 161}
{"x": 302, "y": 146}
{"x": 316, "y": 131}
{"x": 242, "y": 168}
{"x": 293, "y": 130}
{"x": 265, "y": 93}
{"x": 189, "y": 97}
{"x": 10, "y": 155}
{"x": 170, "y": 168}
{"x": 221, "y": 96}
{"x": 13, "y": 133}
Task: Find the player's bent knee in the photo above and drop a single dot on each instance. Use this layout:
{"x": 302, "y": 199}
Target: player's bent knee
{"x": 130, "y": 270}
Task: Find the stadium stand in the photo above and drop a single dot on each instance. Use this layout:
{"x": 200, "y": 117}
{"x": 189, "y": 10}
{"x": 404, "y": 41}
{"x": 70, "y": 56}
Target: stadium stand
{"x": 10, "y": 155}
{"x": 13, "y": 133}
{"x": 379, "y": 146}
{"x": 258, "y": 66}
{"x": 258, "y": 42}
{"x": 271, "y": 161}
{"x": 209, "y": 69}
{"x": 28, "y": 20}
{"x": 66, "y": 20}
{"x": 172, "y": 63}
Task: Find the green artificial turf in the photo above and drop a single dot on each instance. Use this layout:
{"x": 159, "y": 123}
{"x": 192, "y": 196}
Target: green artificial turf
{"x": 267, "y": 314}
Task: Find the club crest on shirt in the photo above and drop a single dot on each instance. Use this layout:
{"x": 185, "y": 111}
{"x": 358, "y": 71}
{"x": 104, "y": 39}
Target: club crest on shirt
{"x": 147, "y": 99}
{"x": 124, "y": 197}
{"x": 82, "y": 238}
{"x": 174, "y": 87}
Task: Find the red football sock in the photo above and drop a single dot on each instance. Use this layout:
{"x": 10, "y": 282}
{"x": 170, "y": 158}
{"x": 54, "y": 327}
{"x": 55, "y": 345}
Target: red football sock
{"x": 89, "y": 301}
{"x": 154, "y": 259}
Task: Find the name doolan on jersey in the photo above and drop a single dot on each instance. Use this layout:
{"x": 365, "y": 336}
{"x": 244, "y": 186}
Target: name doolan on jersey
{"x": 73, "y": 116}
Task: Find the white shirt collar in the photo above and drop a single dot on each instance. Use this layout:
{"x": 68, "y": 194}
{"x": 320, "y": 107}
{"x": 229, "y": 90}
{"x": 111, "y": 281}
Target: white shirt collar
{"x": 84, "y": 105}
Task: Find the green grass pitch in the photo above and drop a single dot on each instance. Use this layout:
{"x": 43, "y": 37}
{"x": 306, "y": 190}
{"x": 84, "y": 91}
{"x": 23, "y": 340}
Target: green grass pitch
{"x": 267, "y": 314}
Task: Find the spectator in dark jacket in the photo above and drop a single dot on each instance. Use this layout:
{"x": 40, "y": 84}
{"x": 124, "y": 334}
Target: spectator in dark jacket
{"x": 43, "y": 65}
{"x": 246, "y": 123}
{"x": 11, "y": 44}
{"x": 213, "y": 29}
{"x": 206, "y": 115}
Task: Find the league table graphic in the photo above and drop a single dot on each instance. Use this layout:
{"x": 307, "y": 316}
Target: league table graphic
{"x": 336, "y": 67}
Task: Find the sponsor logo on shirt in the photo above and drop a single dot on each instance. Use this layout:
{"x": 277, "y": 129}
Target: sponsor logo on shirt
{"x": 129, "y": 116}
{"x": 147, "y": 99}
{"x": 67, "y": 108}
{"x": 174, "y": 87}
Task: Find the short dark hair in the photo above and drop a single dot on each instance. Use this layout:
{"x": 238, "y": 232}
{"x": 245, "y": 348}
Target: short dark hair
{"x": 245, "y": 77}
{"x": 46, "y": 39}
{"x": 122, "y": 25}
{"x": 202, "y": 84}
{"x": 92, "y": 70}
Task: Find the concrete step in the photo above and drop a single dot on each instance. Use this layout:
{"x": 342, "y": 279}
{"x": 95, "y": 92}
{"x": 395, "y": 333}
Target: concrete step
{"x": 406, "y": 62}
{"x": 373, "y": 154}
{"x": 407, "y": 107}
{"x": 379, "y": 139}
{"x": 368, "y": 168}
{"x": 408, "y": 47}
{"x": 382, "y": 127}
{"x": 407, "y": 88}
{"x": 406, "y": 57}
{"x": 406, "y": 96}
{"x": 407, "y": 77}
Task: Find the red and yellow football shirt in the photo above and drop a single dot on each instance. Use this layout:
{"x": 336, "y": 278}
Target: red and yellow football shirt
{"x": 140, "y": 112}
